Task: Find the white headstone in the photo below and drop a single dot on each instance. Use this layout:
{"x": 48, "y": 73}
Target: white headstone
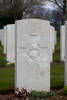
{"x": 2, "y": 38}
{"x": 51, "y": 43}
{"x": 5, "y": 39}
{"x": 65, "y": 68}
{"x": 11, "y": 43}
{"x": 62, "y": 43}
{"x": 53, "y": 36}
{"x": 32, "y": 69}
{"x": 0, "y": 35}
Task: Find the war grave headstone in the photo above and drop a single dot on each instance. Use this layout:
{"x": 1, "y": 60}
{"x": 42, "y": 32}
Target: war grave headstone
{"x": 2, "y": 36}
{"x": 54, "y": 35}
{"x": 62, "y": 43}
{"x": 51, "y": 43}
{"x": 65, "y": 69}
{"x": 5, "y": 39}
{"x": 32, "y": 55}
{"x": 11, "y": 43}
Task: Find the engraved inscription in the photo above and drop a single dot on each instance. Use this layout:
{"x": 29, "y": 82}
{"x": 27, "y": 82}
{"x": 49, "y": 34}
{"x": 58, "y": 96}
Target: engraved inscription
{"x": 33, "y": 50}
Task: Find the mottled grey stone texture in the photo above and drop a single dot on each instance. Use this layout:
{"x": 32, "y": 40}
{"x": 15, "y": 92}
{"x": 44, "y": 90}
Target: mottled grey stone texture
{"x": 32, "y": 69}
{"x": 62, "y": 43}
{"x": 11, "y": 43}
{"x": 65, "y": 70}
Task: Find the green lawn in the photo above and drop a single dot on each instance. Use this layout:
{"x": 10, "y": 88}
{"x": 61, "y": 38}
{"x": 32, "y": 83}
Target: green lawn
{"x": 6, "y": 78}
{"x": 57, "y": 76}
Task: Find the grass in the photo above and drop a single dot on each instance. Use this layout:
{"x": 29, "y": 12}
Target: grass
{"x": 6, "y": 78}
{"x": 57, "y": 76}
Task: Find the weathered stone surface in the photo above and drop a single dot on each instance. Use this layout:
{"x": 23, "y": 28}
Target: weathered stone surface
{"x": 62, "y": 43}
{"x": 52, "y": 42}
{"x": 2, "y": 36}
{"x": 32, "y": 69}
{"x": 5, "y": 39}
{"x": 53, "y": 39}
{"x": 11, "y": 43}
{"x": 65, "y": 68}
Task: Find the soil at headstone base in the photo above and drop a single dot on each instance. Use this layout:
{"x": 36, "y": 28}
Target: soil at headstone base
{"x": 57, "y": 95}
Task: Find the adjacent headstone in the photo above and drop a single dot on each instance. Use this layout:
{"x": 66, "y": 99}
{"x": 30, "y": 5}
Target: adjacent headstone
{"x": 54, "y": 35}
{"x": 51, "y": 43}
{"x": 2, "y": 36}
{"x": 5, "y": 40}
{"x": 11, "y": 43}
{"x": 65, "y": 69}
{"x": 32, "y": 69}
{"x": 62, "y": 43}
